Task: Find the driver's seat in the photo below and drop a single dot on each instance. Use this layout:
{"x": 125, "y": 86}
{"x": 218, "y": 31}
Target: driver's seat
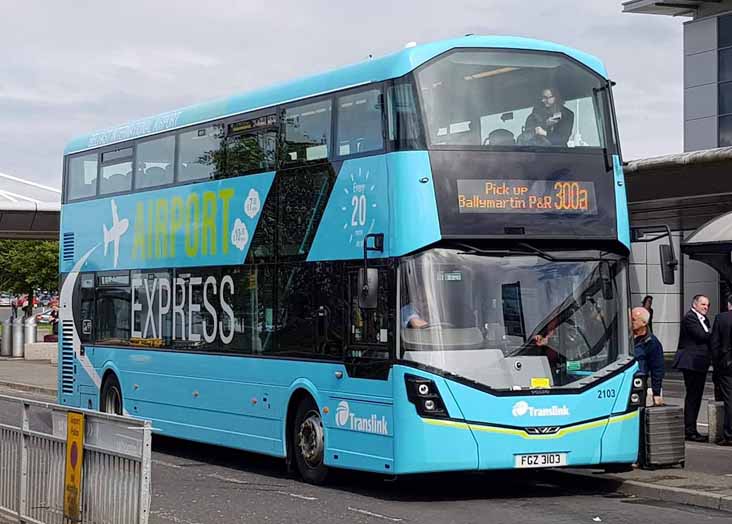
{"x": 500, "y": 137}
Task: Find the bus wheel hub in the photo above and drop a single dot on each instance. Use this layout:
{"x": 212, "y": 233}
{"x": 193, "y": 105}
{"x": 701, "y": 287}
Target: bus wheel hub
{"x": 310, "y": 440}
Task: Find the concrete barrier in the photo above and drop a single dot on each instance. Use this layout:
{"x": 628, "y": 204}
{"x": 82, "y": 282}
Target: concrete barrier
{"x": 41, "y": 351}
{"x": 715, "y": 414}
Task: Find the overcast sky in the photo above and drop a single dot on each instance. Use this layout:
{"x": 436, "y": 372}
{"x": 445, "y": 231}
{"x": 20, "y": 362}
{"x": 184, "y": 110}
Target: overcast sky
{"x": 71, "y": 67}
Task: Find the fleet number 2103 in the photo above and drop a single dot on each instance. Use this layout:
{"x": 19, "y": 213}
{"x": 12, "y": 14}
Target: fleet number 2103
{"x": 606, "y": 393}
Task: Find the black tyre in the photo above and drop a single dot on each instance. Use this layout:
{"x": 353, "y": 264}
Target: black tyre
{"x": 618, "y": 468}
{"x": 110, "y": 398}
{"x": 308, "y": 443}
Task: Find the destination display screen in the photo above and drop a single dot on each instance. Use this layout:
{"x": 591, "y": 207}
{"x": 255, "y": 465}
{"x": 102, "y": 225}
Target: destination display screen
{"x": 554, "y": 197}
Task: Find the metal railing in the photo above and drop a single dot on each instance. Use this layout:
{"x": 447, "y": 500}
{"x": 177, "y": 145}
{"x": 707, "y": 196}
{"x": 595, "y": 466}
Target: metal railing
{"x": 116, "y": 463}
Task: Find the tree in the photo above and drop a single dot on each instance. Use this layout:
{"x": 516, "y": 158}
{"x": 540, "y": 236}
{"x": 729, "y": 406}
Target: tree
{"x": 27, "y": 265}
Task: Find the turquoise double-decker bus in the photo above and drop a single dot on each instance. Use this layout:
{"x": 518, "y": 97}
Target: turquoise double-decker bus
{"x": 352, "y": 269}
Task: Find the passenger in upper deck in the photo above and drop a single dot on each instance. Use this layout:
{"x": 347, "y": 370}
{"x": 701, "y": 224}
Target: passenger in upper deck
{"x": 550, "y": 123}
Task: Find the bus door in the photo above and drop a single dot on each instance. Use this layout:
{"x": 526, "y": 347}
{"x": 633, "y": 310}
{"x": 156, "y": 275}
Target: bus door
{"x": 362, "y": 396}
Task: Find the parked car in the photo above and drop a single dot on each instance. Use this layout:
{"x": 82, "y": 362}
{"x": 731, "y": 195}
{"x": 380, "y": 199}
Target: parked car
{"x": 5, "y": 299}
{"x": 44, "y": 316}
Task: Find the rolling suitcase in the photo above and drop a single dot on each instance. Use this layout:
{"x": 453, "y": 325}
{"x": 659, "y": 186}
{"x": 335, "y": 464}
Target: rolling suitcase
{"x": 662, "y": 437}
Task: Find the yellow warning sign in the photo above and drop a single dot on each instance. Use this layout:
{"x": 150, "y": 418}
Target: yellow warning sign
{"x": 540, "y": 382}
{"x": 74, "y": 461}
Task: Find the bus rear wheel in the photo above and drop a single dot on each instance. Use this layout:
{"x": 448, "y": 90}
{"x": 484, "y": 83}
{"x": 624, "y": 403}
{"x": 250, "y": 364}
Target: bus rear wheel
{"x": 308, "y": 443}
{"x": 111, "y": 397}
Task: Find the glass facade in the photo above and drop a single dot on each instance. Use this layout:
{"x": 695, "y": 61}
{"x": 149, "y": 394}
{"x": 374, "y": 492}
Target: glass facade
{"x": 707, "y": 125}
{"x": 724, "y": 78}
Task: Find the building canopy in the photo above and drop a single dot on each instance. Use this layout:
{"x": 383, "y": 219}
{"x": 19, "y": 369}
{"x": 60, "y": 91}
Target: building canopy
{"x": 712, "y": 244}
{"x": 29, "y": 220}
{"x": 28, "y": 210}
{"x": 672, "y": 7}
{"x": 683, "y": 191}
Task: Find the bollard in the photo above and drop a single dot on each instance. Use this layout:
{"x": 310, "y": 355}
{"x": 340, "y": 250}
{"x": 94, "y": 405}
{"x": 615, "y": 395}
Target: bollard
{"x": 18, "y": 347}
{"x": 31, "y": 330}
{"x": 6, "y": 344}
{"x": 715, "y": 414}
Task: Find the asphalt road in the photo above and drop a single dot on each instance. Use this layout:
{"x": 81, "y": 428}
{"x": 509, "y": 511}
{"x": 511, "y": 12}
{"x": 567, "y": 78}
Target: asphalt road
{"x": 195, "y": 484}
{"x": 200, "y": 484}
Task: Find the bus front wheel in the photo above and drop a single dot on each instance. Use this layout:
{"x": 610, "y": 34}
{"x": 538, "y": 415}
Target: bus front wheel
{"x": 111, "y": 396}
{"x": 308, "y": 443}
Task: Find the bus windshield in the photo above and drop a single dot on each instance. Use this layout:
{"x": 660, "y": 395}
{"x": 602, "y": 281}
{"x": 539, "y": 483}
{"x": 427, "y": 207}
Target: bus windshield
{"x": 512, "y": 98}
{"x": 515, "y": 320}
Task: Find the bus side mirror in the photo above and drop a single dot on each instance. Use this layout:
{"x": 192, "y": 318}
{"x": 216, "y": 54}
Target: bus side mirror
{"x": 668, "y": 264}
{"x": 666, "y": 251}
{"x": 368, "y": 285}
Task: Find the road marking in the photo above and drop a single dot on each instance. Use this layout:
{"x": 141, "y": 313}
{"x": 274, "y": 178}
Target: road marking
{"x": 166, "y": 464}
{"x": 295, "y": 495}
{"x": 372, "y": 514}
{"x": 172, "y": 518}
{"x": 227, "y": 479}
{"x": 247, "y": 483}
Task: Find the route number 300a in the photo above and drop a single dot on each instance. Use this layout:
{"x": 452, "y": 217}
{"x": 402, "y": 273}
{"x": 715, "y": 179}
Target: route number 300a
{"x": 606, "y": 393}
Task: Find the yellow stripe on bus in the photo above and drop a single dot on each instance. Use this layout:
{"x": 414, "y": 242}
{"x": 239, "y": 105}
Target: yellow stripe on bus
{"x": 521, "y": 433}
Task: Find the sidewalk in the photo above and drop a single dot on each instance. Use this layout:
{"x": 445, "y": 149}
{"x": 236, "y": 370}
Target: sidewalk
{"x": 706, "y": 481}
{"x": 36, "y": 376}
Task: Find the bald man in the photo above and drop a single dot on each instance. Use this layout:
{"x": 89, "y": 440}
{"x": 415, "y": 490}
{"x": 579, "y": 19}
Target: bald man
{"x": 648, "y": 351}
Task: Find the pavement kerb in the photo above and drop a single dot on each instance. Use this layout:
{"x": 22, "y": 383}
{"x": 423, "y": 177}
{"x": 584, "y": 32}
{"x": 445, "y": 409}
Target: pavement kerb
{"x": 637, "y": 488}
{"x": 28, "y": 387}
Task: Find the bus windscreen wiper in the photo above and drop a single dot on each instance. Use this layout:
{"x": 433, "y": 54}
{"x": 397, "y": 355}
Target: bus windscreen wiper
{"x": 552, "y": 258}
{"x": 500, "y": 252}
{"x": 527, "y": 249}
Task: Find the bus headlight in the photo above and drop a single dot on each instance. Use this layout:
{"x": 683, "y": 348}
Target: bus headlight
{"x": 423, "y": 393}
{"x": 637, "y": 392}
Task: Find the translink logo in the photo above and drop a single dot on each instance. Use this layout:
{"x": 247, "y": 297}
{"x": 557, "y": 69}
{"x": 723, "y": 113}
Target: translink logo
{"x": 522, "y": 408}
{"x": 372, "y": 424}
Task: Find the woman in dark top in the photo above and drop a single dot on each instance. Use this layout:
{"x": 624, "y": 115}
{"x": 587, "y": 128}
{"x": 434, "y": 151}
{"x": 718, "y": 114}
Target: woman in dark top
{"x": 550, "y": 123}
{"x": 647, "y": 303}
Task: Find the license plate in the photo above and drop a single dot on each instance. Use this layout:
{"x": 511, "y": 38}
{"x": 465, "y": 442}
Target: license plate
{"x": 540, "y": 460}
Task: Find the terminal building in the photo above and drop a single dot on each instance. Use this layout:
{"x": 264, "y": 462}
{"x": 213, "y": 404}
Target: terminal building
{"x": 691, "y": 192}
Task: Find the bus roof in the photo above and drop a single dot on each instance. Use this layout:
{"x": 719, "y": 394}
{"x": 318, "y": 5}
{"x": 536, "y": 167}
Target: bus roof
{"x": 376, "y": 70}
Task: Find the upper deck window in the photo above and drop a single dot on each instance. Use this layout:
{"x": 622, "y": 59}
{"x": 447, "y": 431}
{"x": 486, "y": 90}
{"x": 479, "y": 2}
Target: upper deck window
{"x": 307, "y": 132}
{"x": 359, "y": 123}
{"x": 251, "y": 145}
{"x": 509, "y": 98}
{"x": 200, "y": 153}
{"x": 82, "y": 177}
{"x": 154, "y": 162}
{"x": 116, "y": 171}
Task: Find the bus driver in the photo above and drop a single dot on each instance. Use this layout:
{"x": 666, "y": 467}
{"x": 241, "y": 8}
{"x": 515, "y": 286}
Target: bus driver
{"x": 411, "y": 317}
{"x": 550, "y": 123}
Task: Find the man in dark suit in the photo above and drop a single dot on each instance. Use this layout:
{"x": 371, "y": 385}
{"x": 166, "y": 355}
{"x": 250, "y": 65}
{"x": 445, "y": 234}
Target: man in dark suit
{"x": 693, "y": 359}
{"x": 721, "y": 348}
